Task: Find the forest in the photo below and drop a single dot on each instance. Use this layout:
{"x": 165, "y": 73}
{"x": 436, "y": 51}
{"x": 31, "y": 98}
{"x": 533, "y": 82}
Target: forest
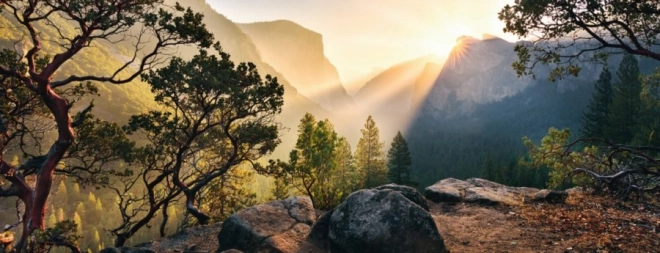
{"x": 125, "y": 121}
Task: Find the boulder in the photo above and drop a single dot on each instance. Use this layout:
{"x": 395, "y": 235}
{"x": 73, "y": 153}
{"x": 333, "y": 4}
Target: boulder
{"x": 232, "y": 251}
{"x": 127, "y": 250}
{"x": 550, "y": 196}
{"x": 277, "y": 226}
{"x": 477, "y": 190}
{"x": 389, "y": 218}
{"x": 447, "y": 190}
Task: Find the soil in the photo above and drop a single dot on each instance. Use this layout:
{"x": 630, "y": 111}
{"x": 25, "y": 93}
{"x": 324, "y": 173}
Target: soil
{"x": 583, "y": 224}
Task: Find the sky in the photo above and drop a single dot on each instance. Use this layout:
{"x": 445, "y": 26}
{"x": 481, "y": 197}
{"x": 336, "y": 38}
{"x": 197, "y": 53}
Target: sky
{"x": 362, "y": 35}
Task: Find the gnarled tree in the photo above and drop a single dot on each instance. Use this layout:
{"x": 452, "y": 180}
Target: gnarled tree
{"x": 41, "y": 78}
{"x": 216, "y": 116}
{"x": 566, "y": 32}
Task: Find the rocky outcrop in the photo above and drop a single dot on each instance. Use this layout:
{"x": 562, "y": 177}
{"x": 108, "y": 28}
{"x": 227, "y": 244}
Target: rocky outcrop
{"x": 481, "y": 191}
{"x": 388, "y": 218}
{"x": 278, "y": 226}
{"x": 127, "y": 250}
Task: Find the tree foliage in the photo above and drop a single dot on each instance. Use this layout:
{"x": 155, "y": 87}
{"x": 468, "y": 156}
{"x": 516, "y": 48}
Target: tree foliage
{"x": 311, "y": 164}
{"x": 595, "y": 119}
{"x": 39, "y": 77}
{"x": 216, "y": 116}
{"x": 626, "y": 102}
{"x": 566, "y": 32}
{"x": 369, "y": 156}
{"x": 399, "y": 162}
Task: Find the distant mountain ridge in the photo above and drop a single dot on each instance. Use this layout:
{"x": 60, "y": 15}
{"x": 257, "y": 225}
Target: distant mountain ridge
{"x": 299, "y": 54}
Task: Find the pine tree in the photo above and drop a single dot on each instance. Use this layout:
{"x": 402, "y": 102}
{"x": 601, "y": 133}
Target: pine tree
{"x": 369, "y": 156}
{"x": 626, "y": 102}
{"x": 345, "y": 171}
{"x": 311, "y": 164}
{"x": 51, "y": 220}
{"x": 78, "y": 221}
{"x": 399, "y": 162}
{"x": 60, "y": 214}
{"x": 595, "y": 119}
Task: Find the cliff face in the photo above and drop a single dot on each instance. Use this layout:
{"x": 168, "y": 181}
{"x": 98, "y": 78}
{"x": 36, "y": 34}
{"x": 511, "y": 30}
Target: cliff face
{"x": 298, "y": 54}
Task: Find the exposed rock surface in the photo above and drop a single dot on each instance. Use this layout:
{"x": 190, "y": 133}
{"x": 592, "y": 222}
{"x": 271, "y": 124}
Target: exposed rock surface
{"x": 127, "y": 250}
{"x": 481, "y": 191}
{"x": 388, "y": 218}
{"x": 278, "y": 226}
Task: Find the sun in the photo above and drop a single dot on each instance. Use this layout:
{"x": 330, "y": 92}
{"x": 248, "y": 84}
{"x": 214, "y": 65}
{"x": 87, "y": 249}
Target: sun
{"x": 443, "y": 40}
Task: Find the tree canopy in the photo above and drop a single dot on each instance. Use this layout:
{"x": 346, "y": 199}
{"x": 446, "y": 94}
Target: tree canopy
{"x": 152, "y": 29}
{"x": 566, "y": 32}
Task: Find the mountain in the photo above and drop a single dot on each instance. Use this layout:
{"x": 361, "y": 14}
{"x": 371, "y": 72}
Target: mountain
{"x": 476, "y": 72}
{"x": 298, "y": 54}
{"x": 478, "y": 109}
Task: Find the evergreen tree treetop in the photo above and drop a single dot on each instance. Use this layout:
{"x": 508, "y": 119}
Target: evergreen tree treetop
{"x": 595, "y": 119}
{"x": 399, "y": 161}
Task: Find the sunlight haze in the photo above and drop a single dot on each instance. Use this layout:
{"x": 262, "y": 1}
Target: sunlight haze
{"x": 362, "y": 35}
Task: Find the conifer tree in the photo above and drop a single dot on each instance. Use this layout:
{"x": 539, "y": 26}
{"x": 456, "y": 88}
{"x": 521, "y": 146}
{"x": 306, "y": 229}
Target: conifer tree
{"x": 399, "y": 161}
{"x": 595, "y": 119}
{"x": 311, "y": 164}
{"x": 626, "y": 103}
{"x": 345, "y": 171}
{"x": 60, "y": 214}
{"x": 78, "y": 221}
{"x": 369, "y": 156}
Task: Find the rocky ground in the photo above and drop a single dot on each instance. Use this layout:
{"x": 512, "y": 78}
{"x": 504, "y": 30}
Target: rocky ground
{"x": 584, "y": 223}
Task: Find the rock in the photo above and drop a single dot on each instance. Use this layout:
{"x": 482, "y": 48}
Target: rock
{"x": 550, "y": 196}
{"x": 127, "y": 250}
{"x": 477, "y": 190}
{"x": 480, "y": 182}
{"x": 277, "y": 226}
{"x": 384, "y": 219}
{"x": 110, "y": 250}
{"x": 232, "y": 251}
{"x": 447, "y": 190}
{"x": 408, "y": 192}
{"x": 490, "y": 196}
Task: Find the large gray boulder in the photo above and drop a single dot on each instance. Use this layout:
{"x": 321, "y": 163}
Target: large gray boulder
{"x": 482, "y": 191}
{"x": 389, "y": 218}
{"x": 277, "y": 226}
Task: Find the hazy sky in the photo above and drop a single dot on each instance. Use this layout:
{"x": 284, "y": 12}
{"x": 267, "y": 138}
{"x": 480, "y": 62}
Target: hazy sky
{"x": 360, "y": 35}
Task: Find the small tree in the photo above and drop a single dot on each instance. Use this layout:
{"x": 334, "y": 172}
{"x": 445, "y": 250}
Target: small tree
{"x": 311, "y": 163}
{"x": 626, "y": 103}
{"x": 399, "y": 162}
{"x": 369, "y": 156}
{"x": 595, "y": 119}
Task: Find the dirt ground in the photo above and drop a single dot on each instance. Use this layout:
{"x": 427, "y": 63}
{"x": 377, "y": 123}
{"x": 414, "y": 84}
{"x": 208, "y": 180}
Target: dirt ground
{"x": 475, "y": 228}
{"x": 583, "y": 224}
